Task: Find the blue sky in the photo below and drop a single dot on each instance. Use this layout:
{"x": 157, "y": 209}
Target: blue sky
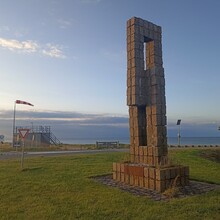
{"x": 68, "y": 58}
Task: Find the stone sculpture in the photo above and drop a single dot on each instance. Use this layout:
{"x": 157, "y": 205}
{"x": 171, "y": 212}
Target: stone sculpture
{"x": 148, "y": 166}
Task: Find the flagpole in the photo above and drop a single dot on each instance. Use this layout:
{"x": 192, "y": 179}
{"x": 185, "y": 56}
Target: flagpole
{"x": 14, "y": 125}
{"x": 17, "y": 102}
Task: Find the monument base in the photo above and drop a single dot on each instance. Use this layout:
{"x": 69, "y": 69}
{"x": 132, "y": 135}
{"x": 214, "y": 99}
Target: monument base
{"x": 150, "y": 177}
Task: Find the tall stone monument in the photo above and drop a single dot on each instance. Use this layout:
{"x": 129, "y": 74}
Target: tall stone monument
{"x": 148, "y": 166}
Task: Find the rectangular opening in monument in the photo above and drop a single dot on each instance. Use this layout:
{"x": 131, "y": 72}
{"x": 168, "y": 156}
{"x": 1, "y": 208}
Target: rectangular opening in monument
{"x": 147, "y": 40}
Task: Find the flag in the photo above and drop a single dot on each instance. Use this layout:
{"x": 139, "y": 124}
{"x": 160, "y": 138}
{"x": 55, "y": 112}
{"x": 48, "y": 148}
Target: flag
{"x": 23, "y": 102}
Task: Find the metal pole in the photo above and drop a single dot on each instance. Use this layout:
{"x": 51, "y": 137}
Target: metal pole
{"x": 32, "y": 128}
{"x": 22, "y": 155}
{"x": 14, "y": 125}
{"x": 179, "y": 136}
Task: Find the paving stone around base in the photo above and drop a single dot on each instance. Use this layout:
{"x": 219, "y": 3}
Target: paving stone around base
{"x": 194, "y": 188}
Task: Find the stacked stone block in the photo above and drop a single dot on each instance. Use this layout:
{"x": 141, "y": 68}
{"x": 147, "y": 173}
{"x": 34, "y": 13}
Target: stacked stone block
{"x": 147, "y": 110}
{"x": 146, "y": 90}
{"x": 153, "y": 178}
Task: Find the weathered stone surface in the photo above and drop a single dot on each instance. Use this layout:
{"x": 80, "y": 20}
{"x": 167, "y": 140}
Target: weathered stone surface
{"x": 154, "y": 178}
{"x": 145, "y": 89}
{"x": 146, "y": 99}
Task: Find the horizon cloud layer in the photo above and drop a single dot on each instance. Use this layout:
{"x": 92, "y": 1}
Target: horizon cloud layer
{"x": 76, "y": 125}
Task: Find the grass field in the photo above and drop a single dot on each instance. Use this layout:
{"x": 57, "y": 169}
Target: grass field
{"x": 60, "y": 188}
{"x": 7, "y": 147}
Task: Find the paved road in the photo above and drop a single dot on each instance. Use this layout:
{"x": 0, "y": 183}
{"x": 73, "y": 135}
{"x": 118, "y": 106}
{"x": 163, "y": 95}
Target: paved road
{"x": 11, "y": 155}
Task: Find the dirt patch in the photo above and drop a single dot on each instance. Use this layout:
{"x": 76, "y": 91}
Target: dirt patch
{"x": 194, "y": 188}
{"x": 213, "y": 155}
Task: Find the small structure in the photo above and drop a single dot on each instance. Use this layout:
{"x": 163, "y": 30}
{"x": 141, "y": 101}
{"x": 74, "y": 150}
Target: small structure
{"x": 107, "y": 144}
{"x": 2, "y": 138}
{"x": 38, "y": 136}
{"x": 148, "y": 166}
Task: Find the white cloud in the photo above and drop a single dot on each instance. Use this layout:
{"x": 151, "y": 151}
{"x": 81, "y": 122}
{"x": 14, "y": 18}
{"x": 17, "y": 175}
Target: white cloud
{"x": 30, "y": 46}
{"x": 53, "y": 51}
{"x": 25, "y": 46}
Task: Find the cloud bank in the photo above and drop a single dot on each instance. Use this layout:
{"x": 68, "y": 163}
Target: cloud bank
{"x": 70, "y": 126}
{"x": 30, "y": 46}
{"x": 67, "y": 125}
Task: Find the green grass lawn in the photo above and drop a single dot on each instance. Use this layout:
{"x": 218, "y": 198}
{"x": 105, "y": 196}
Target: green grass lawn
{"x": 7, "y": 147}
{"x": 60, "y": 188}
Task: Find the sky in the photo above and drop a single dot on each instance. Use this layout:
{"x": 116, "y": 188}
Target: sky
{"x": 68, "y": 58}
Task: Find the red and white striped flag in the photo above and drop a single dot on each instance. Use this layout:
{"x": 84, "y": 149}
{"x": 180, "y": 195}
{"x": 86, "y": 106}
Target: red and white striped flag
{"x": 23, "y": 102}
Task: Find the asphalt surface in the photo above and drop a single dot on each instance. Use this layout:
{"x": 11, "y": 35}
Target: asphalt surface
{"x": 14, "y": 154}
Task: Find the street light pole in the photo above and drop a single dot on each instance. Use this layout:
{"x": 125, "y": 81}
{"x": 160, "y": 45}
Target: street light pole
{"x": 179, "y": 136}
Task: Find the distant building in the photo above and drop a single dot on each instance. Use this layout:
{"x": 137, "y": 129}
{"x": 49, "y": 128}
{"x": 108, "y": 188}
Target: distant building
{"x": 38, "y": 136}
{"x": 2, "y": 137}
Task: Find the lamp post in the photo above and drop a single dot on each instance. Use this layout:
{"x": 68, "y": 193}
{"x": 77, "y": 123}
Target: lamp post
{"x": 179, "y": 136}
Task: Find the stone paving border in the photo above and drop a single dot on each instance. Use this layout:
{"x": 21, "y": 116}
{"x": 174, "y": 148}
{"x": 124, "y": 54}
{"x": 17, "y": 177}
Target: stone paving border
{"x": 194, "y": 188}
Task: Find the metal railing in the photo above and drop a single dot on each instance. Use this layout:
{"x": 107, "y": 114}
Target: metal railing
{"x": 44, "y": 130}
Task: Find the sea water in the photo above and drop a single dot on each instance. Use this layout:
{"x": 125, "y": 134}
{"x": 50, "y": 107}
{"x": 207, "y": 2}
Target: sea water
{"x": 171, "y": 140}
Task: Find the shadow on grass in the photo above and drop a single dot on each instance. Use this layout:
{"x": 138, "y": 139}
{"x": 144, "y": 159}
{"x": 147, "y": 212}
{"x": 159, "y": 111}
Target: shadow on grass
{"x": 32, "y": 169}
{"x": 213, "y": 155}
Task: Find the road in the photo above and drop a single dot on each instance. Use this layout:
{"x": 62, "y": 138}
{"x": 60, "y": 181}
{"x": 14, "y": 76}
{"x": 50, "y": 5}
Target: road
{"x": 14, "y": 154}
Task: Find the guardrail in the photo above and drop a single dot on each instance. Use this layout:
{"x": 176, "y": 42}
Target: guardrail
{"x": 44, "y": 131}
{"x": 107, "y": 144}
